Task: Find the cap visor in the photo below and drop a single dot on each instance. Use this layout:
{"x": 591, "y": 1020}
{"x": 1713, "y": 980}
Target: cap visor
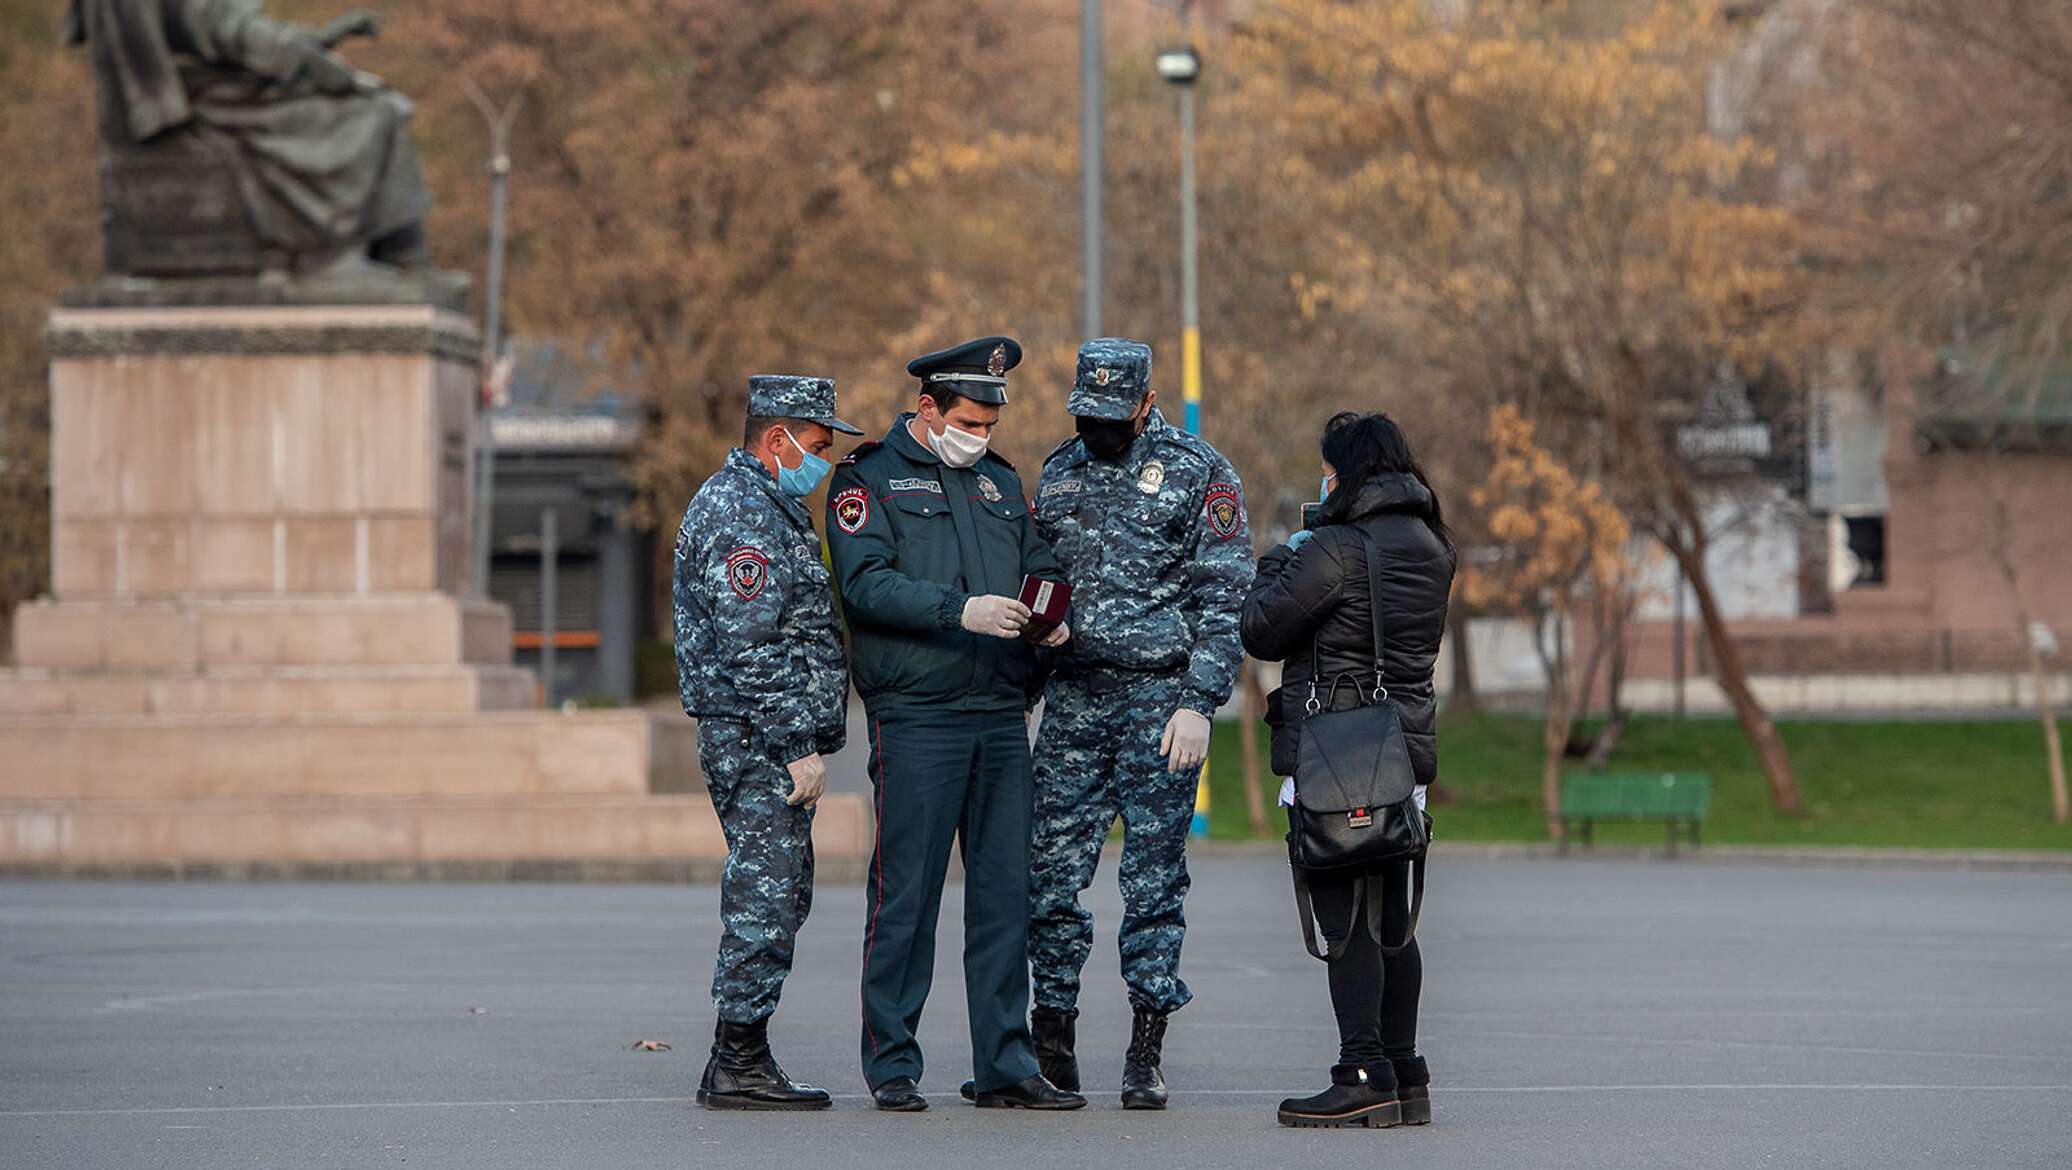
{"x": 834, "y": 424}
{"x": 1107, "y": 408}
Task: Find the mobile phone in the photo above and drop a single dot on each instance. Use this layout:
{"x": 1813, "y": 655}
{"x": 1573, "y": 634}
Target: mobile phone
{"x": 1310, "y": 512}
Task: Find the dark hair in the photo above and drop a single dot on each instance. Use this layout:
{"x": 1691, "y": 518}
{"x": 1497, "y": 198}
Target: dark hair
{"x": 755, "y": 426}
{"x": 1362, "y": 446}
{"x": 945, "y": 400}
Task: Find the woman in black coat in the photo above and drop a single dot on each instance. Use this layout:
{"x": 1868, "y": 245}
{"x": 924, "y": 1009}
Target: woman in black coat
{"x": 1309, "y": 609}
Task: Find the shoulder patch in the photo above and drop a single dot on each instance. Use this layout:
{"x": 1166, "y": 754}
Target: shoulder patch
{"x": 748, "y": 570}
{"x": 851, "y": 508}
{"x": 1225, "y": 510}
{"x": 858, "y": 451}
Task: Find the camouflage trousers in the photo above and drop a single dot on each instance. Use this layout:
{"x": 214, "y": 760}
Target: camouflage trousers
{"x": 1097, "y": 759}
{"x": 766, "y": 890}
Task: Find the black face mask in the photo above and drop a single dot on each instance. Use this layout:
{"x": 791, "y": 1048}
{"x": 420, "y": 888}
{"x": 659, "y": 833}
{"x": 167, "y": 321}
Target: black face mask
{"x": 1107, "y": 438}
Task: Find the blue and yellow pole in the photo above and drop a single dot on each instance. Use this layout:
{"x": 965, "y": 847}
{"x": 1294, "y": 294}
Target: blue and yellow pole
{"x": 1190, "y": 349}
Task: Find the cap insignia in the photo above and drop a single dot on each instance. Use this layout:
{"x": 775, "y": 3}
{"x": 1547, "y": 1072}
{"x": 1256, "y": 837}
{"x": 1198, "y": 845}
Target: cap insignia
{"x": 996, "y": 364}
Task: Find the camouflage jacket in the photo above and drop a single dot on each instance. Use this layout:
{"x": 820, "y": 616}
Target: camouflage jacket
{"x": 1156, "y": 549}
{"x": 755, "y": 620}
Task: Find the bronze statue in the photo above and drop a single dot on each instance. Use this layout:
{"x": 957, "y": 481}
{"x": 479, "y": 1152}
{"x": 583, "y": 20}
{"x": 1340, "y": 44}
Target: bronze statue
{"x": 232, "y": 143}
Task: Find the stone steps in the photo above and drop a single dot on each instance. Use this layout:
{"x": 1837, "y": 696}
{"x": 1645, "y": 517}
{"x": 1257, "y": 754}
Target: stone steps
{"x": 188, "y": 633}
{"x": 285, "y": 691}
{"x": 291, "y": 834}
{"x": 473, "y": 753}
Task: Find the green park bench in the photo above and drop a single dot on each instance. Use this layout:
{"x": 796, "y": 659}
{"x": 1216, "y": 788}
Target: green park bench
{"x": 1672, "y": 797}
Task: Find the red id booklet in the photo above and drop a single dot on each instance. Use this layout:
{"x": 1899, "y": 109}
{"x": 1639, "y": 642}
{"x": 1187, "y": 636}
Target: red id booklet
{"x": 1048, "y": 602}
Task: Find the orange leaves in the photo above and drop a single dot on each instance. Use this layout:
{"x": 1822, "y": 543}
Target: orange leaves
{"x": 1558, "y": 536}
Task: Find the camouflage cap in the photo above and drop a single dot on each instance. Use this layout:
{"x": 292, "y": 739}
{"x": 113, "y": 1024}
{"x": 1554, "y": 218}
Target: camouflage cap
{"x": 796, "y": 396}
{"x": 1114, "y": 373}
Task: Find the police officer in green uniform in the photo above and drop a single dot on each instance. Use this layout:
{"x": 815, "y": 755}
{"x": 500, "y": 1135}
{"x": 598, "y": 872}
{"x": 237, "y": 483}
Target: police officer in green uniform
{"x": 931, "y": 537}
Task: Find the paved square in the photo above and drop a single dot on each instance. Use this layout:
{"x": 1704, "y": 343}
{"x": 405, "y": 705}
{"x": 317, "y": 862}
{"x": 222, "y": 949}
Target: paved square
{"x": 1576, "y": 1014}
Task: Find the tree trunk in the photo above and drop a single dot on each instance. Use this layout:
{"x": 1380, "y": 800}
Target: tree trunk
{"x": 2047, "y": 714}
{"x": 1554, "y": 737}
{"x": 1462, "y": 698}
{"x": 1248, "y": 739}
{"x": 1555, "y": 744}
{"x": 1733, "y": 679}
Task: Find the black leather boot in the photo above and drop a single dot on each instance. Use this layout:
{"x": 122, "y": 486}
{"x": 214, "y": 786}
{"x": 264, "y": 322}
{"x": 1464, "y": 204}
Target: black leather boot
{"x": 1033, "y": 1093}
{"x": 1359, "y": 1095}
{"x": 1053, "y": 1034}
{"x": 1142, "y": 1085}
{"x": 1414, "y": 1089}
{"x": 743, "y": 1075}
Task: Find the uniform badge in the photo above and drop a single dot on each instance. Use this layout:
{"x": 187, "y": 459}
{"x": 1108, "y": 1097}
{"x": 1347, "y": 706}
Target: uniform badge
{"x": 1101, "y": 375}
{"x": 996, "y": 362}
{"x": 988, "y": 489}
{"x": 1151, "y": 478}
{"x": 1226, "y": 512}
{"x": 852, "y": 509}
{"x": 748, "y": 570}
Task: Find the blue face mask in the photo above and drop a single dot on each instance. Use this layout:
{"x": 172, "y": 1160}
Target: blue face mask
{"x": 799, "y": 482}
{"x": 1324, "y": 489}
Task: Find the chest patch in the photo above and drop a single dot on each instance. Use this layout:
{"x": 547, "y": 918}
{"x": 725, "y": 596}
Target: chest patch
{"x": 1151, "y": 478}
{"x": 914, "y": 485}
{"x": 989, "y": 489}
{"x": 1063, "y": 487}
{"x": 1225, "y": 510}
{"x": 852, "y": 509}
{"x": 748, "y": 570}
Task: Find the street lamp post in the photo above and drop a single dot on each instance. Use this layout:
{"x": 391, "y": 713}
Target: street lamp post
{"x": 1182, "y": 67}
{"x": 492, "y": 323}
{"x": 1090, "y": 164}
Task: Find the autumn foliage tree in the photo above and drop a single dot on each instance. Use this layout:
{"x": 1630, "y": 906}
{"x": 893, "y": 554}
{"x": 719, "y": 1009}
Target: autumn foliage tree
{"x": 1559, "y": 541}
{"x": 1941, "y": 131}
{"x": 1530, "y": 203}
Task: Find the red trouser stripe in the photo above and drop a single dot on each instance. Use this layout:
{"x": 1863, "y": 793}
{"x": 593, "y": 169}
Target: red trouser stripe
{"x": 878, "y": 864}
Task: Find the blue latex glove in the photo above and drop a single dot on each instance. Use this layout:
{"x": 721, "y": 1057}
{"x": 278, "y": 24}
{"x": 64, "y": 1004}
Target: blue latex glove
{"x": 1295, "y": 541}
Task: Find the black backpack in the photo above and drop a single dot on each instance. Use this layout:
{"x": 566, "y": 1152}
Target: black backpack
{"x": 1355, "y": 810}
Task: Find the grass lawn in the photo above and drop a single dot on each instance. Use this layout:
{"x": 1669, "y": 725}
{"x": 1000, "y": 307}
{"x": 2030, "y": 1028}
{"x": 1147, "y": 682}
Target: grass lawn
{"x": 1974, "y": 785}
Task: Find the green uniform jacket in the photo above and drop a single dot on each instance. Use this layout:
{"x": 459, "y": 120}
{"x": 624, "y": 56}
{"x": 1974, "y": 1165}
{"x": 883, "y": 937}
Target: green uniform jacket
{"x": 912, "y": 539}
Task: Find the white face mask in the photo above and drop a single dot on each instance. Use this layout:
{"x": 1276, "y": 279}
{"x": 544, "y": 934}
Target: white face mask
{"x": 957, "y": 448}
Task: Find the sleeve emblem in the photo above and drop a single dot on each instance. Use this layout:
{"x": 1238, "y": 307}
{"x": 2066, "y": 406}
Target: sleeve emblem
{"x": 1226, "y": 512}
{"x": 748, "y": 570}
{"x": 852, "y": 508}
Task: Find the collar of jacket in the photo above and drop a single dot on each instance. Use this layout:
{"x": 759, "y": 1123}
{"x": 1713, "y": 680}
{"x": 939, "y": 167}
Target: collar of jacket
{"x": 900, "y": 439}
{"x": 741, "y": 463}
{"x": 1393, "y": 491}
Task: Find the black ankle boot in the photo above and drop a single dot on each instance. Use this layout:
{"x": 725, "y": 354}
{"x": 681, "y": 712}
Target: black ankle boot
{"x": 743, "y": 1075}
{"x": 1142, "y": 1085}
{"x": 1414, "y": 1089}
{"x": 1054, "y": 1034}
{"x": 1359, "y": 1095}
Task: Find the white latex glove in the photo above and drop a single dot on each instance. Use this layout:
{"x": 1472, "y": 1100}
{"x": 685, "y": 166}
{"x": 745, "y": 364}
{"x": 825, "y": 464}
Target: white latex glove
{"x": 1185, "y": 743}
{"x": 1057, "y": 637}
{"x": 995, "y": 616}
{"x": 808, "y": 780}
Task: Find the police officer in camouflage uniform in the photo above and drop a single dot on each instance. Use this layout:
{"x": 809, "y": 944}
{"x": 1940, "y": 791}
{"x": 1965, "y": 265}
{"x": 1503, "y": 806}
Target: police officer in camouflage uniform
{"x": 931, "y": 538}
{"x": 1150, "y": 524}
{"x": 761, "y": 667}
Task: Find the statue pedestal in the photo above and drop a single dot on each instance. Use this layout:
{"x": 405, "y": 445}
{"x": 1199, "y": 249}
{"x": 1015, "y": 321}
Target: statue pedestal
{"x": 260, "y": 647}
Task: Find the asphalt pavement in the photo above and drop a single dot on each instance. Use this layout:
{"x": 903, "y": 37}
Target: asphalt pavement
{"x": 1576, "y": 1013}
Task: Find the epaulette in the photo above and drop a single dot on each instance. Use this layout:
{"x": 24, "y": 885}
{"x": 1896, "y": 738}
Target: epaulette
{"x": 1059, "y": 450}
{"x": 859, "y": 451}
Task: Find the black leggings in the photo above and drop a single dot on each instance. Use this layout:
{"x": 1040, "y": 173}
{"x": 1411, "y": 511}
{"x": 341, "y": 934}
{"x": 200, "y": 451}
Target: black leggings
{"x": 1375, "y": 998}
